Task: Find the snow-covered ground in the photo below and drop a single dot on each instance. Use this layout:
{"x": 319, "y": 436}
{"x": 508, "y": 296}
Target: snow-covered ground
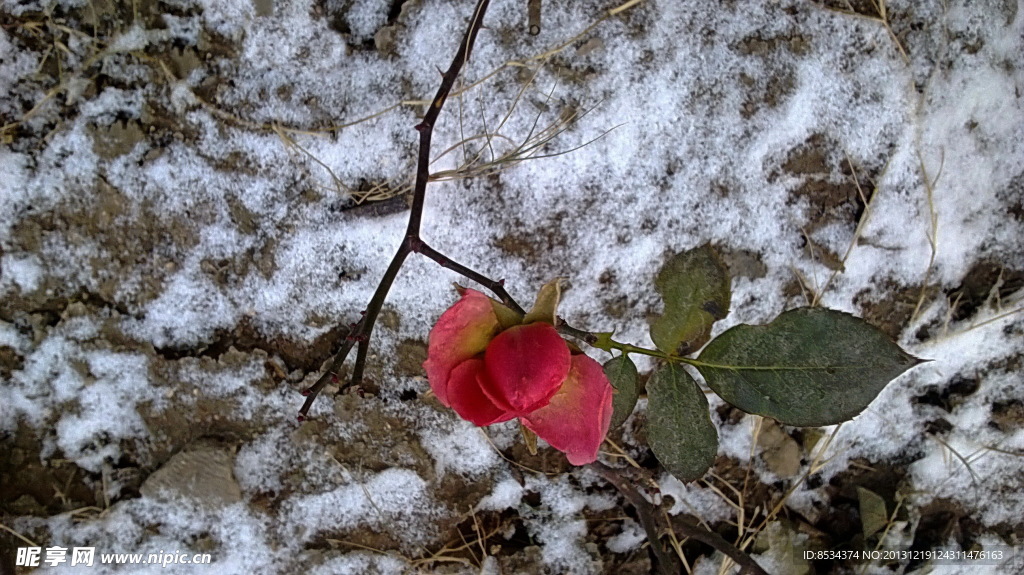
{"x": 179, "y": 241}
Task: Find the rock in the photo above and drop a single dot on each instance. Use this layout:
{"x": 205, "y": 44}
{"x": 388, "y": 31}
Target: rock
{"x": 781, "y": 453}
{"x": 202, "y": 471}
{"x": 386, "y": 40}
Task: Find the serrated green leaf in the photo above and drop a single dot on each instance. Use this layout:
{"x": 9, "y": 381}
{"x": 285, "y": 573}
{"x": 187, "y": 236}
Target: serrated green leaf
{"x": 679, "y": 427}
{"x": 809, "y": 367}
{"x": 873, "y": 516}
{"x": 621, "y": 373}
{"x": 695, "y": 287}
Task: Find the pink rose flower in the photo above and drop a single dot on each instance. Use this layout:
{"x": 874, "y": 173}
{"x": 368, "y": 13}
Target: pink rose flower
{"x": 490, "y": 365}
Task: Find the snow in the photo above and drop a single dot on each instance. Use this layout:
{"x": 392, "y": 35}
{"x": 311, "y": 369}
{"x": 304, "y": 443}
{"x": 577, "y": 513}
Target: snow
{"x": 694, "y": 499}
{"x": 631, "y": 537}
{"x": 561, "y": 549}
{"x": 463, "y": 449}
{"x": 392, "y": 497}
{"x": 505, "y": 494}
{"x": 25, "y": 273}
{"x": 691, "y": 113}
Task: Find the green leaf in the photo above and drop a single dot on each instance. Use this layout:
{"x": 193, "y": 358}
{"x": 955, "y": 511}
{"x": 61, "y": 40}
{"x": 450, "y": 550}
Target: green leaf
{"x": 545, "y": 308}
{"x": 679, "y": 427}
{"x": 873, "y": 517}
{"x": 695, "y": 287}
{"x": 809, "y": 367}
{"x": 621, "y": 372}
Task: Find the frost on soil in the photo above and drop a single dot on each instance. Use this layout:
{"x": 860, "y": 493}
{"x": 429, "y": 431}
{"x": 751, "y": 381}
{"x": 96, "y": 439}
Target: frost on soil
{"x": 183, "y": 238}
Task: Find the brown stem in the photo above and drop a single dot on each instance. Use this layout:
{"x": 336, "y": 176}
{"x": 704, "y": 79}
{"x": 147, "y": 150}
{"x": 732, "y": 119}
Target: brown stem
{"x": 362, "y": 349}
{"x": 666, "y": 563}
{"x": 314, "y": 390}
{"x": 645, "y": 512}
{"x": 584, "y": 336}
{"x": 360, "y": 333}
{"x": 694, "y": 531}
{"x": 426, "y": 127}
{"x": 362, "y": 330}
{"x": 498, "y": 287}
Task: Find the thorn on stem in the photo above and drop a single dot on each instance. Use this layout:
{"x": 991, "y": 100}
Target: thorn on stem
{"x": 334, "y": 378}
{"x": 307, "y": 391}
{"x": 501, "y": 282}
{"x": 421, "y": 127}
{"x": 301, "y": 418}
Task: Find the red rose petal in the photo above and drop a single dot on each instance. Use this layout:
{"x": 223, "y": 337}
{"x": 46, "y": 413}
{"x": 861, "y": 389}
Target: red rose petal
{"x": 462, "y": 331}
{"x": 526, "y": 365}
{"x": 577, "y": 419}
{"x": 468, "y": 400}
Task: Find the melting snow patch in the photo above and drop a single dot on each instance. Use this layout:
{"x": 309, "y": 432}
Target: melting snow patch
{"x": 631, "y": 537}
{"x": 392, "y": 499}
{"x": 461, "y": 448}
{"x": 692, "y": 499}
{"x": 562, "y": 545}
{"x": 506, "y": 494}
{"x": 25, "y": 272}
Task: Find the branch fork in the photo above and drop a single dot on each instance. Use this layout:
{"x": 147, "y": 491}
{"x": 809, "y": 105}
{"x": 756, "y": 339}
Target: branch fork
{"x": 361, "y": 330}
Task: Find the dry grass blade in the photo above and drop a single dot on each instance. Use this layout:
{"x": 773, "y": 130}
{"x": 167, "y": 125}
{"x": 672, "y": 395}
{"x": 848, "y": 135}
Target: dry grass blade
{"x": 946, "y": 335}
{"x": 49, "y": 30}
{"x": 529, "y": 149}
{"x": 975, "y": 480}
{"x": 1003, "y": 451}
{"x": 881, "y": 16}
{"x": 623, "y": 7}
{"x": 334, "y": 128}
{"x": 449, "y": 553}
{"x": 620, "y": 453}
{"x": 512, "y": 461}
{"x": 805, "y": 289}
{"x": 868, "y": 203}
{"x": 291, "y": 144}
{"x": 813, "y": 287}
{"x": 19, "y": 535}
{"x": 932, "y": 234}
{"x": 473, "y": 164}
{"x": 737, "y": 504}
{"x": 817, "y": 462}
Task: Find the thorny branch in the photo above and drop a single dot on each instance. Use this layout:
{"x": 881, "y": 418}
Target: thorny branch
{"x": 359, "y": 335}
{"x": 361, "y": 330}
